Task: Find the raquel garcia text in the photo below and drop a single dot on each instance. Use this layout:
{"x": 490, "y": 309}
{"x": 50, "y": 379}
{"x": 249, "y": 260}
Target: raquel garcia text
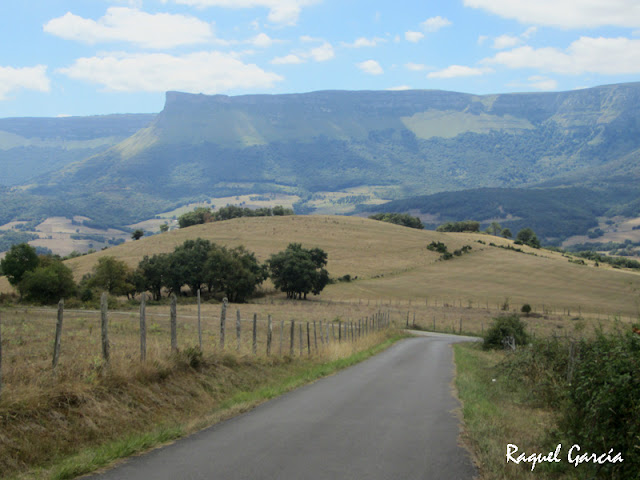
{"x": 574, "y": 456}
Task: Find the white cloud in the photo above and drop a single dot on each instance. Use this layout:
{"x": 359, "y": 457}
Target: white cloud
{"x": 365, "y": 42}
{"x": 482, "y": 39}
{"x": 565, "y": 13}
{"x": 285, "y": 12}
{"x": 25, "y": 78}
{"x": 413, "y": 37}
{"x": 322, "y": 53}
{"x": 399, "y": 88}
{"x": 542, "y": 83}
{"x": 262, "y": 40}
{"x": 529, "y": 32}
{"x": 505, "y": 41}
{"x": 371, "y": 67}
{"x": 123, "y": 24}
{"x": 290, "y": 59}
{"x": 455, "y": 71}
{"x": 202, "y": 72}
{"x": 434, "y": 24}
{"x": 607, "y": 56}
{"x": 416, "y": 67}
{"x": 309, "y": 39}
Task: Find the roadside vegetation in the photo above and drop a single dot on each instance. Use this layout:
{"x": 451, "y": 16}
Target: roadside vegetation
{"x": 548, "y": 391}
{"x": 87, "y": 413}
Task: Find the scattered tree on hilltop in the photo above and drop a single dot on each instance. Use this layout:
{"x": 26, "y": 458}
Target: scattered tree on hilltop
{"x": 196, "y": 217}
{"x": 205, "y": 215}
{"x": 464, "y": 226}
{"x": 298, "y": 271}
{"x": 403, "y": 219}
{"x": 494, "y": 229}
{"x": 526, "y": 236}
{"x": 137, "y": 234}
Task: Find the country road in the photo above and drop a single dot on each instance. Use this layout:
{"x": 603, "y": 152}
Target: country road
{"x": 390, "y": 417}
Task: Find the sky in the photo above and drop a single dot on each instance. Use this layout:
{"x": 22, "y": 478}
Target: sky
{"x": 95, "y": 57}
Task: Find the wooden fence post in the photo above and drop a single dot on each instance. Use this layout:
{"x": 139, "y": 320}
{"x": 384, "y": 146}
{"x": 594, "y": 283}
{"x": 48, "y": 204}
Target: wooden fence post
{"x": 174, "y": 323}
{"x": 281, "y": 335}
{"x": 339, "y": 331}
{"x": 56, "y": 343}
{"x": 333, "y": 331}
{"x": 223, "y": 321}
{"x": 238, "y": 327}
{"x": 255, "y": 333}
{"x": 269, "y": 334}
{"x": 143, "y": 327}
{"x": 199, "y": 323}
{"x": 0, "y": 354}
{"x": 300, "y": 338}
{"x": 291, "y": 339}
{"x": 460, "y": 329}
{"x": 315, "y": 336}
{"x": 321, "y": 334}
{"x": 104, "y": 323}
{"x": 308, "y": 341}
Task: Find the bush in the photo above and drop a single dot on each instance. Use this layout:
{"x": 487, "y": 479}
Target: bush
{"x": 504, "y": 327}
{"x": 526, "y": 309}
{"x": 602, "y": 411}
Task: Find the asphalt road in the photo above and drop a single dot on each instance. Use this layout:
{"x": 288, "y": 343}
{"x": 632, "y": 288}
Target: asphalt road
{"x": 390, "y": 417}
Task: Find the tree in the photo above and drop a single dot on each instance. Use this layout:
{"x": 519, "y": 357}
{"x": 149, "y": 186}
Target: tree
{"x": 235, "y": 272}
{"x": 111, "y": 275}
{"x": 164, "y": 228}
{"x": 137, "y": 234}
{"x": 403, "y": 219}
{"x": 154, "y": 270}
{"x": 188, "y": 265}
{"x": 506, "y": 233}
{"x": 19, "y": 259}
{"x": 196, "y": 217}
{"x": 494, "y": 229}
{"x": 527, "y": 236}
{"x": 298, "y": 271}
{"x": 48, "y": 283}
{"x": 463, "y": 226}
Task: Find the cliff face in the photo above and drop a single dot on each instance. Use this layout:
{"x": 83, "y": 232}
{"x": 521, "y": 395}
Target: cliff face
{"x": 411, "y": 142}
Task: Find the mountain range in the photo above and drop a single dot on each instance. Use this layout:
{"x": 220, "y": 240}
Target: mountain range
{"x": 394, "y": 145}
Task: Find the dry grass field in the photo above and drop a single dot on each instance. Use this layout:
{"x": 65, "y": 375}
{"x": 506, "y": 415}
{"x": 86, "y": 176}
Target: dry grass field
{"x": 393, "y": 264}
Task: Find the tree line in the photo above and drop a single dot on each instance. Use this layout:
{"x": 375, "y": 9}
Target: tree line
{"x": 202, "y": 215}
{"x": 234, "y": 273}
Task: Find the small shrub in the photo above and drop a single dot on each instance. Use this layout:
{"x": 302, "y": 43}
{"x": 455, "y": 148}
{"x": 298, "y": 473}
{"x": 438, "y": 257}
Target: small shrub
{"x": 503, "y": 327}
{"x": 526, "y": 309}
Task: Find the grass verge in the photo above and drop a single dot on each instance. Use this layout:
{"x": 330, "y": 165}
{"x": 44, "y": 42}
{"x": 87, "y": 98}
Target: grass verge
{"x": 498, "y": 412}
{"x": 153, "y": 412}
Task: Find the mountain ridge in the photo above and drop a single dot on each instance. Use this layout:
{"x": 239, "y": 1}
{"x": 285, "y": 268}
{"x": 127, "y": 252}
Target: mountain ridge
{"x": 416, "y": 142}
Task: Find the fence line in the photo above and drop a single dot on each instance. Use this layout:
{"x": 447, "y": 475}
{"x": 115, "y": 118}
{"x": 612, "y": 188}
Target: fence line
{"x": 348, "y": 331}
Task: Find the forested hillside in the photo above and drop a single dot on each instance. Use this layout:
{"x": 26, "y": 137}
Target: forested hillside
{"x": 406, "y": 143}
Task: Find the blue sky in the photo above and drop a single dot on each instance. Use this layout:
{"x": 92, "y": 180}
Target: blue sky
{"x": 86, "y": 57}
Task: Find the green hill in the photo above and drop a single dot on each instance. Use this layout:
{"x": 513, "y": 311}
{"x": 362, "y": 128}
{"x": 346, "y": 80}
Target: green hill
{"x": 33, "y": 146}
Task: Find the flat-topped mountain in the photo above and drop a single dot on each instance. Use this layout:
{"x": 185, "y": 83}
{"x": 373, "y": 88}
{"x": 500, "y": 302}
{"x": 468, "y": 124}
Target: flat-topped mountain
{"x": 395, "y": 143}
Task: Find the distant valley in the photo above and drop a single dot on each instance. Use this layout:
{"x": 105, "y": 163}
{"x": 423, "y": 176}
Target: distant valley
{"x": 562, "y": 162}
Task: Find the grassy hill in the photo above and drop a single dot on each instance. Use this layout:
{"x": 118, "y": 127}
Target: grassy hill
{"x": 392, "y": 263}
